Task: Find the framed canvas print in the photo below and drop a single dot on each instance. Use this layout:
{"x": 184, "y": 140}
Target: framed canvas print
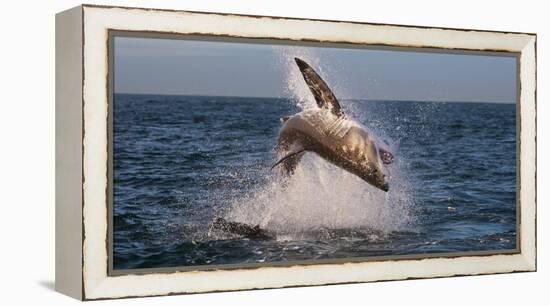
{"x": 200, "y": 152}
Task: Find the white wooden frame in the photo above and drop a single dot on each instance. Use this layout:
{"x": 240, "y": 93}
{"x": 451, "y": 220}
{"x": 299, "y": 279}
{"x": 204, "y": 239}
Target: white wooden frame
{"x": 82, "y": 151}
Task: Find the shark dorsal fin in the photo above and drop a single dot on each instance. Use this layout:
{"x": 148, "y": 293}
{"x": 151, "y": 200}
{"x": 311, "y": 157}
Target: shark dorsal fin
{"x": 321, "y": 92}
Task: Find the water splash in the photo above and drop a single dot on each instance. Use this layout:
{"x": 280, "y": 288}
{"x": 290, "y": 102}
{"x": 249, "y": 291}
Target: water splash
{"x": 320, "y": 195}
{"x": 296, "y": 88}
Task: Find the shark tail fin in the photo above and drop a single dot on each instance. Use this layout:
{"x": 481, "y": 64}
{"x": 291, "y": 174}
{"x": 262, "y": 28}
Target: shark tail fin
{"x": 320, "y": 90}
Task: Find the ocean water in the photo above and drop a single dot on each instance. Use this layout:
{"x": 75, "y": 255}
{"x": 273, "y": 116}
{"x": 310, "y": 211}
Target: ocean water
{"x": 180, "y": 161}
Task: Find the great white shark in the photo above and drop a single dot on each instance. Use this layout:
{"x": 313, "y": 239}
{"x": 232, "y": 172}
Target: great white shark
{"x": 329, "y": 133}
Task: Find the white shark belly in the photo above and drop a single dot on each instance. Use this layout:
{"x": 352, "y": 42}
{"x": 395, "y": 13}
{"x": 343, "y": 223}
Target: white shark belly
{"x": 324, "y": 123}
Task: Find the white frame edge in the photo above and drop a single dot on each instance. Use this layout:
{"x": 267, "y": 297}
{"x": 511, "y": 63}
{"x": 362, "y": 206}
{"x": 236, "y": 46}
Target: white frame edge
{"x": 68, "y": 152}
{"x": 96, "y": 23}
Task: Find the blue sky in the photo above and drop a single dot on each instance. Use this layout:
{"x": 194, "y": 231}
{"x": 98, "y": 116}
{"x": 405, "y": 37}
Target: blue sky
{"x": 170, "y": 66}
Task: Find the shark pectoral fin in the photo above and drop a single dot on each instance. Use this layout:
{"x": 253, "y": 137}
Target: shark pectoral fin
{"x": 290, "y": 160}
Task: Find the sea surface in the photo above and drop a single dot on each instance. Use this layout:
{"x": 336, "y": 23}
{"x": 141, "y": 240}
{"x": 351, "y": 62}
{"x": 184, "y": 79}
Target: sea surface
{"x": 180, "y": 161}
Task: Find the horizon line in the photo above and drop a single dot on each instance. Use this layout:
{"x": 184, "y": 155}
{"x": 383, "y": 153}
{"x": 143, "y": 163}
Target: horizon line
{"x": 350, "y": 99}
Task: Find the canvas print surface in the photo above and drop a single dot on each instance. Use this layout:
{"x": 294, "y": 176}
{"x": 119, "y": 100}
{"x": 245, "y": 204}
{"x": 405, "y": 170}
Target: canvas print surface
{"x": 231, "y": 153}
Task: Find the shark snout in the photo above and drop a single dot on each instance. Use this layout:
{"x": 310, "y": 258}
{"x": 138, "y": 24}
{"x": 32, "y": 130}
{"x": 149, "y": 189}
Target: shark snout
{"x": 378, "y": 179}
{"x": 384, "y": 184}
{"x": 381, "y": 183}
